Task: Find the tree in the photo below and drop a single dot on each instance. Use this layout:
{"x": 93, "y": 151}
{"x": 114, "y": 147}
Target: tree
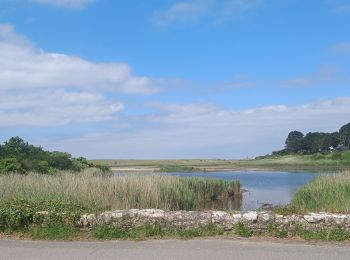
{"x": 14, "y": 147}
{"x": 18, "y": 148}
{"x": 316, "y": 142}
{"x": 18, "y": 156}
{"x": 331, "y": 140}
{"x": 344, "y": 134}
{"x": 294, "y": 142}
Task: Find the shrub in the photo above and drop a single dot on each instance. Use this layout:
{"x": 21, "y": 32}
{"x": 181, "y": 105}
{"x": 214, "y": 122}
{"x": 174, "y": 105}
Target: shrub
{"x": 20, "y": 214}
{"x": 10, "y": 165}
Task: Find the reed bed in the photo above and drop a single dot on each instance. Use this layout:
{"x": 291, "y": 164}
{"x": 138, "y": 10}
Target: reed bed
{"x": 94, "y": 191}
{"x": 329, "y": 193}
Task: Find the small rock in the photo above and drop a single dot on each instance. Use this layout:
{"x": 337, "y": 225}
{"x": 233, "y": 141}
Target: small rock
{"x": 250, "y": 216}
{"x": 314, "y": 218}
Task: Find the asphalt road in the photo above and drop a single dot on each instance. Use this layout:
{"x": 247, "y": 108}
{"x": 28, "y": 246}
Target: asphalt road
{"x": 214, "y": 249}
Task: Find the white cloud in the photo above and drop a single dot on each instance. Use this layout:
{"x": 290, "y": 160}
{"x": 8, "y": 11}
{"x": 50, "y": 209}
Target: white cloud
{"x": 39, "y": 88}
{"x": 22, "y": 66}
{"x": 206, "y": 131}
{"x": 64, "y": 3}
{"x": 54, "y": 108}
{"x": 194, "y": 10}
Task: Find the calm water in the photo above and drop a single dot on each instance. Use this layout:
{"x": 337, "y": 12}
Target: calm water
{"x": 274, "y": 188}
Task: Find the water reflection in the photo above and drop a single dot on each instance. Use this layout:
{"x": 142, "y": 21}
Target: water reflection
{"x": 263, "y": 188}
{"x": 233, "y": 203}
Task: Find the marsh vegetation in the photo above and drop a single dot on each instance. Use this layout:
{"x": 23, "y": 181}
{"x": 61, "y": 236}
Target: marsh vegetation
{"x": 92, "y": 189}
{"x": 328, "y": 193}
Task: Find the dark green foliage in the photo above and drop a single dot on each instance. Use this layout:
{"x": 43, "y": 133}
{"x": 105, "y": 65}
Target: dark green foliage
{"x": 277, "y": 153}
{"x": 312, "y": 143}
{"x": 18, "y": 156}
{"x": 9, "y": 165}
{"x": 294, "y": 142}
{"x": 319, "y": 142}
{"x": 344, "y": 134}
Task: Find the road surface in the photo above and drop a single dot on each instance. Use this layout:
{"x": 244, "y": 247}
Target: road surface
{"x": 213, "y": 249}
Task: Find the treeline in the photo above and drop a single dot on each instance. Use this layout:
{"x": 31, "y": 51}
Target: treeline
{"x": 18, "y": 156}
{"x": 311, "y": 143}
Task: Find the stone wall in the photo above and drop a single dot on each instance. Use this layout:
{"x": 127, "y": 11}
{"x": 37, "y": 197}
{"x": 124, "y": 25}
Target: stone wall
{"x": 254, "y": 220}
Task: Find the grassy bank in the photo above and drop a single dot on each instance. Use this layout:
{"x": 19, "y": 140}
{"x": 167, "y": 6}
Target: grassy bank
{"x": 64, "y": 197}
{"x": 157, "y": 231}
{"x": 318, "y": 162}
{"x": 61, "y": 199}
{"x": 329, "y": 193}
{"x": 97, "y": 192}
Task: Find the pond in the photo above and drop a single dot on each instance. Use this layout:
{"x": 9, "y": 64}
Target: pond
{"x": 262, "y": 187}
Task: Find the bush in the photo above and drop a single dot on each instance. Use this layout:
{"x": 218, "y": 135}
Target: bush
{"x": 10, "y": 165}
{"x": 20, "y": 214}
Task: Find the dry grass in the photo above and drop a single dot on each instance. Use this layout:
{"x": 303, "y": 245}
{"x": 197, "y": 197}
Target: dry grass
{"x": 330, "y": 162}
{"x": 94, "y": 191}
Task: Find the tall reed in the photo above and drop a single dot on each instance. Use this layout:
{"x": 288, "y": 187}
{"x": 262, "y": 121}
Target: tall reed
{"x": 98, "y": 192}
{"x": 329, "y": 193}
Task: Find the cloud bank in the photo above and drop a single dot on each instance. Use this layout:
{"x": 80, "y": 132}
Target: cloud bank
{"x": 39, "y": 88}
{"x": 207, "y": 131}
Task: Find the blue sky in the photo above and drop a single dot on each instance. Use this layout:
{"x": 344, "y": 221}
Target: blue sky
{"x": 172, "y": 79}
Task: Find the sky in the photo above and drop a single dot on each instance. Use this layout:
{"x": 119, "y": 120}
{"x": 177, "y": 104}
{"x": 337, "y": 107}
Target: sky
{"x": 168, "y": 79}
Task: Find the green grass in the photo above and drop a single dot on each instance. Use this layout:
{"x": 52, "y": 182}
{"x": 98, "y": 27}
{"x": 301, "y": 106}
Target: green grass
{"x": 66, "y": 196}
{"x": 242, "y": 230}
{"x": 55, "y": 232}
{"x": 96, "y": 193}
{"x": 153, "y": 231}
{"x": 330, "y": 193}
{"x": 317, "y": 162}
{"x": 323, "y": 235}
{"x": 179, "y": 168}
